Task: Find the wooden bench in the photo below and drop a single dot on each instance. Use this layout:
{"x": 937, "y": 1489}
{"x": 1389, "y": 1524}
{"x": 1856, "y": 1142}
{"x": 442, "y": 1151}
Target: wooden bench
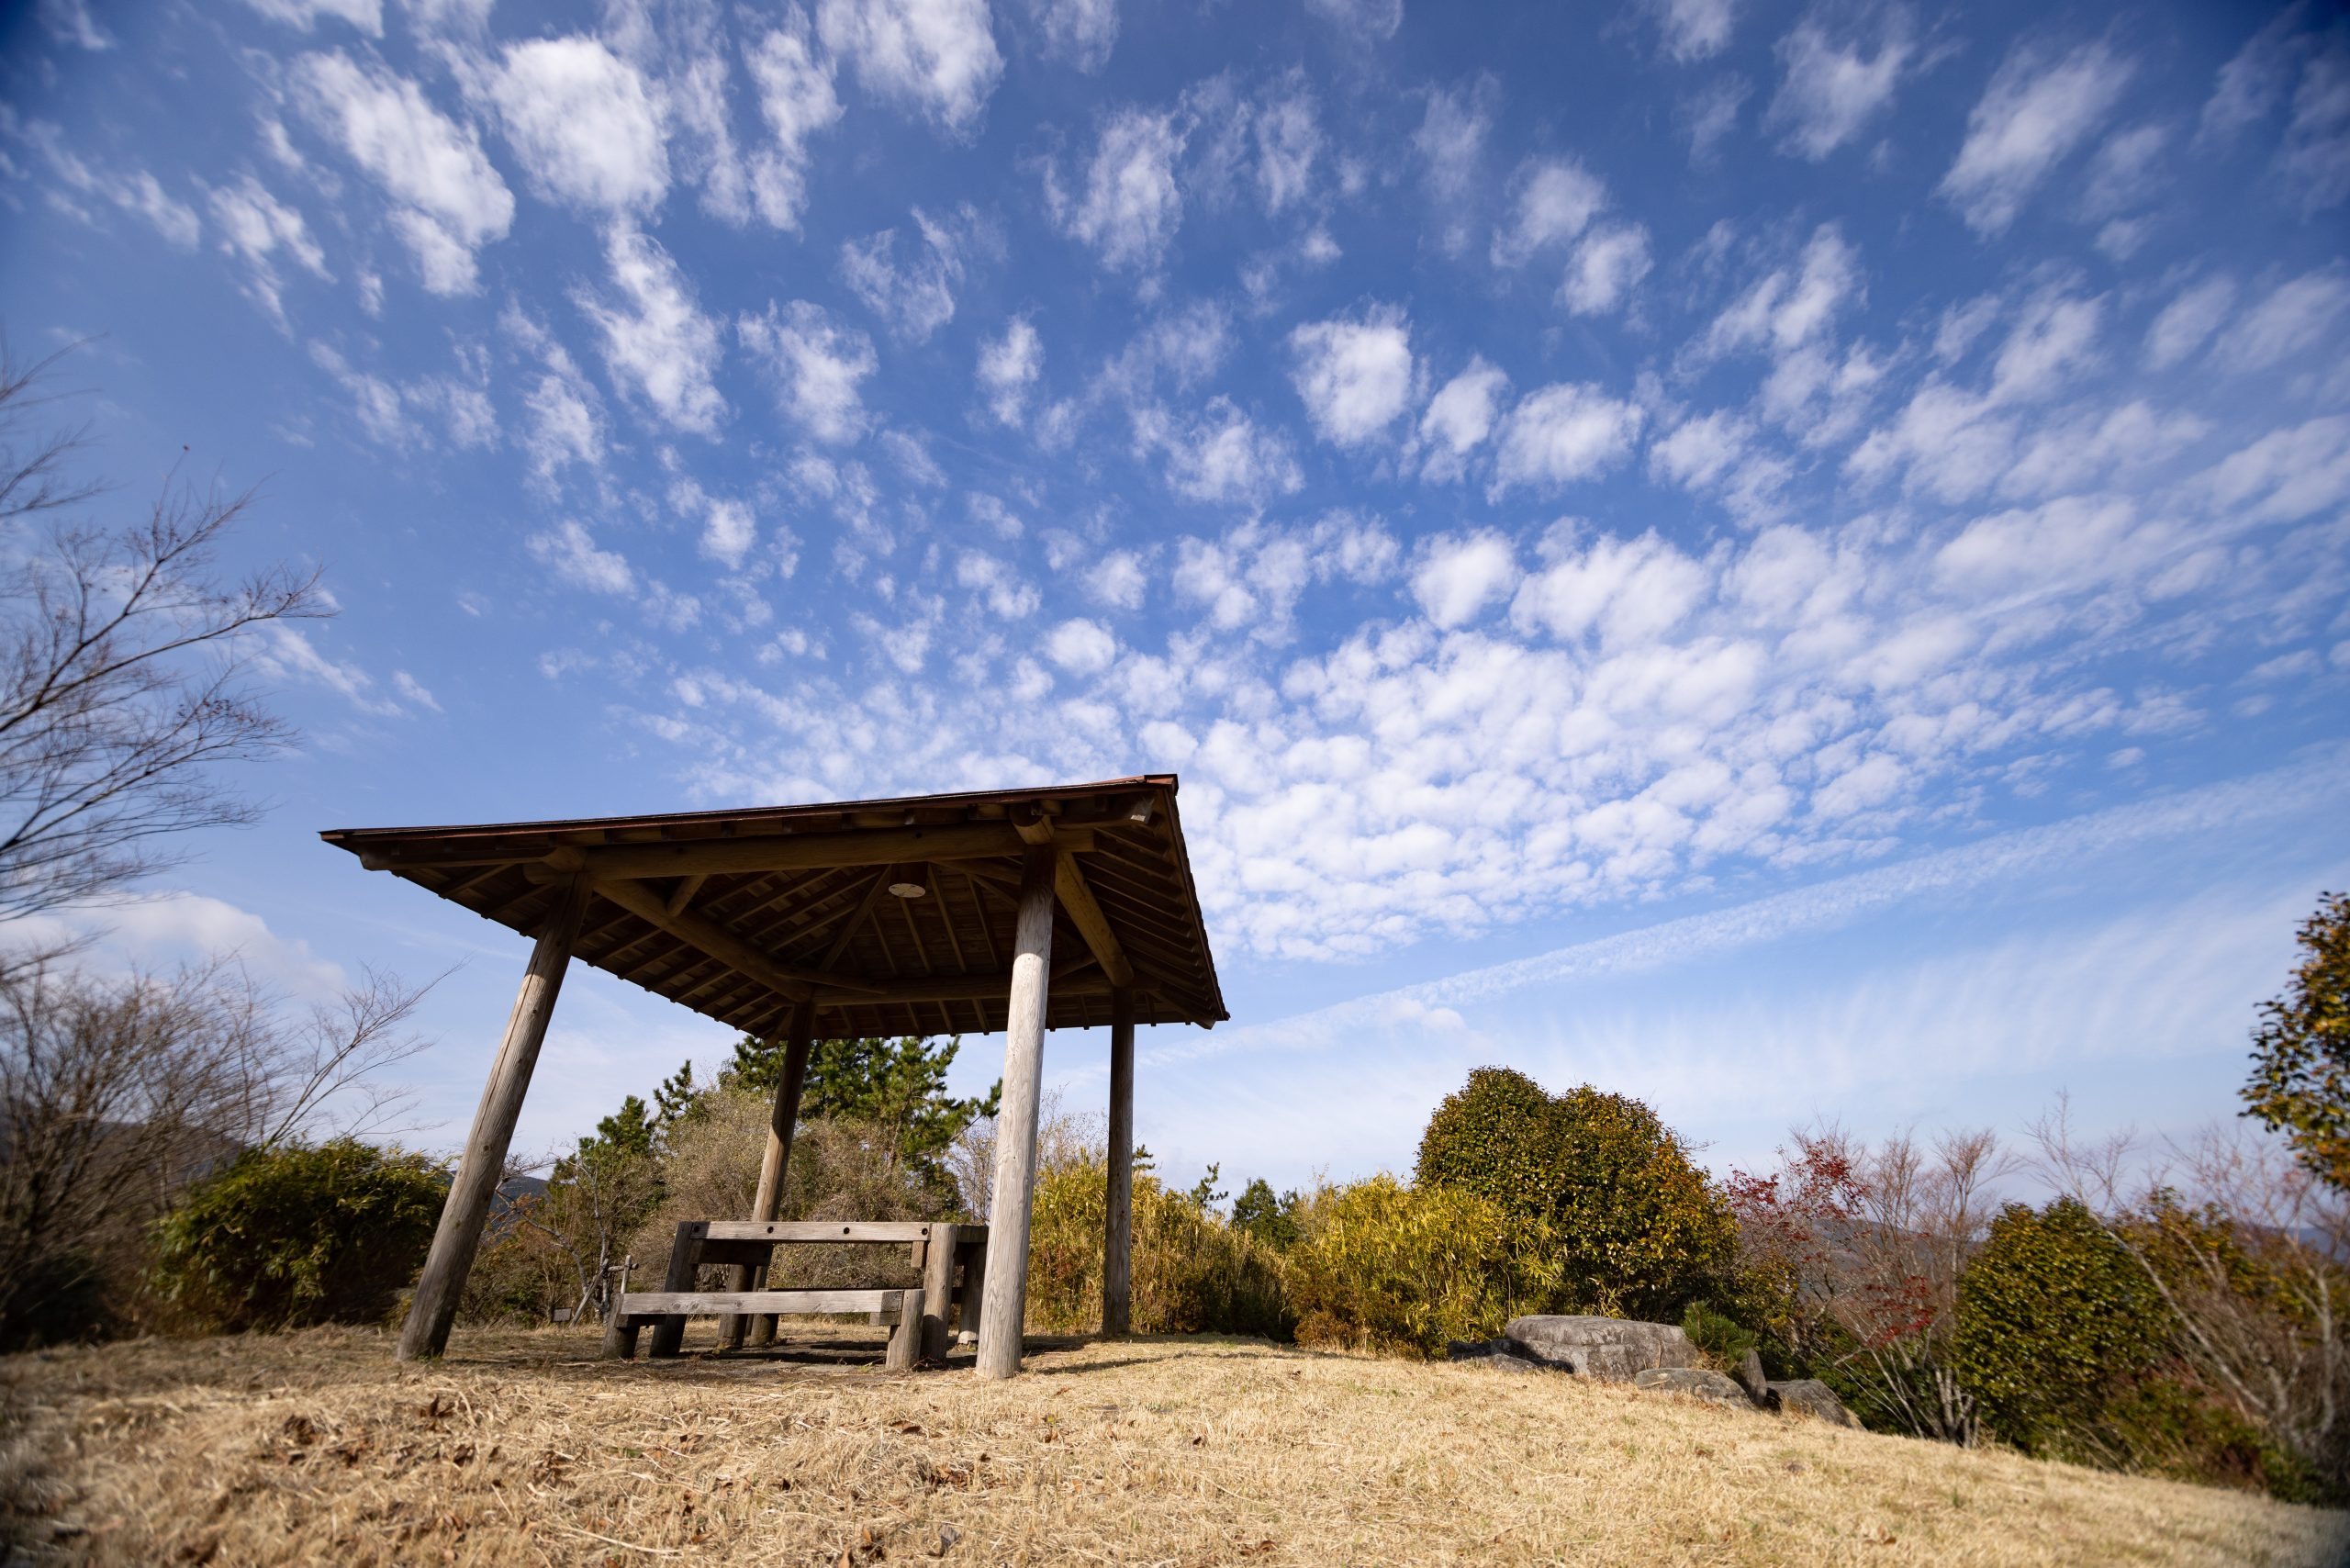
{"x": 952, "y": 1258}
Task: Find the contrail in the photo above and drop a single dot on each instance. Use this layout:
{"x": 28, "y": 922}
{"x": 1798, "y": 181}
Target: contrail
{"x": 2281, "y": 792}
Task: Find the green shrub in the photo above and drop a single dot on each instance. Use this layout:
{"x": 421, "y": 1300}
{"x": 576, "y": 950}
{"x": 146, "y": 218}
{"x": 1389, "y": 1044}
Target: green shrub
{"x": 2054, "y": 1321}
{"x": 1722, "y": 1337}
{"x": 1191, "y": 1273}
{"x": 1641, "y": 1231}
{"x": 1400, "y": 1270}
{"x": 1497, "y": 1136}
{"x": 291, "y": 1235}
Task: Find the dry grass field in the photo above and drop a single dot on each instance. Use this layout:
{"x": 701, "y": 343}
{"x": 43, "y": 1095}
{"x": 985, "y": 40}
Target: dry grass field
{"x": 521, "y": 1449}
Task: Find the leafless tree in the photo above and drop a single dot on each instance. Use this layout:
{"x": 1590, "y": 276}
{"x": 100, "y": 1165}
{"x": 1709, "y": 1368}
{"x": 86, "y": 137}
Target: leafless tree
{"x": 1869, "y": 1243}
{"x": 2250, "y": 1253}
{"x": 121, "y": 656}
{"x": 115, "y": 1093}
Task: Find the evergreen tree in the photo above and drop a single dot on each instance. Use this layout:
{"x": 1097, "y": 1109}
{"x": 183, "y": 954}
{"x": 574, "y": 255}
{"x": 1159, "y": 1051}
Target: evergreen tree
{"x": 898, "y": 1086}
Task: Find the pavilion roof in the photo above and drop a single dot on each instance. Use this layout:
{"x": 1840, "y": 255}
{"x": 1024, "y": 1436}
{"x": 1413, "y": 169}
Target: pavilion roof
{"x": 739, "y": 914}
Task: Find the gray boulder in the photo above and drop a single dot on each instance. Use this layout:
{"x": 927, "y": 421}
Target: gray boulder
{"x": 1713, "y": 1387}
{"x": 1607, "y": 1348}
{"x": 1498, "y": 1354}
{"x": 1809, "y": 1396}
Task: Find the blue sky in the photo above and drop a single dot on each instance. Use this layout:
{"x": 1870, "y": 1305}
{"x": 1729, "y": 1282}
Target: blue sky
{"x": 1787, "y": 559}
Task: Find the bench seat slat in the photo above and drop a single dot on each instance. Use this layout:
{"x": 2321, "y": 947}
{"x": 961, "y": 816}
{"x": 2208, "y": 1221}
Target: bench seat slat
{"x": 707, "y": 1304}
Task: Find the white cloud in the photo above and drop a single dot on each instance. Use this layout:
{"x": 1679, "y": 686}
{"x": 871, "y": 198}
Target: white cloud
{"x": 1221, "y": 456}
{"x": 2034, "y": 114}
{"x": 257, "y": 228}
{"x": 818, "y": 364}
{"x": 917, "y": 299}
{"x": 1131, "y": 205}
{"x": 1833, "y": 87}
{"x": 1553, "y": 199}
{"x": 1693, "y": 29}
{"x": 2297, "y": 315}
{"x": 1007, "y": 596}
{"x": 1630, "y": 591}
{"x": 69, "y": 22}
{"x": 729, "y": 528}
{"x": 1369, "y": 18}
{"x": 366, "y": 16}
{"x": 657, "y": 343}
{"x": 938, "y": 57}
{"x": 1461, "y": 416}
{"x": 1009, "y": 366}
{"x": 1563, "y": 434}
{"x": 797, "y": 100}
{"x": 584, "y": 125}
{"x": 1081, "y": 647}
{"x": 1710, "y": 114}
{"x": 570, "y": 552}
{"x": 1354, "y": 375}
{"x": 1458, "y": 576}
{"x": 1451, "y": 142}
{"x": 1117, "y": 579}
{"x": 1081, "y": 32}
{"x": 448, "y": 201}
{"x": 1288, "y": 143}
{"x": 566, "y": 417}
{"x": 2188, "y": 322}
{"x": 1608, "y": 265}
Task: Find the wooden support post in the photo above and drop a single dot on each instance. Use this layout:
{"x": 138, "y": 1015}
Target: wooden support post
{"x": 1118, "y": 1229}
{"x": 1005, "y": 1309}
{"x": 781, "y": 1121}
{"x": 938, "y": 1291}
{"x": 483, "y": 1165}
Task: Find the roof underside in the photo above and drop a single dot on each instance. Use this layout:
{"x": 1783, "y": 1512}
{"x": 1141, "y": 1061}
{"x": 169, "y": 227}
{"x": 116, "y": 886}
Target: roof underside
{"x": 737, "y": 914}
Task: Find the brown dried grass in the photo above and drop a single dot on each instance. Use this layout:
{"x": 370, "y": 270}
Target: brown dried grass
{"x": 317, "y": 1448}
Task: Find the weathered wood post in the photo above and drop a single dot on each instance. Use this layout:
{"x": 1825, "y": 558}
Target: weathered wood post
{"x": 1004, "y": 1309}
{"x": 781, "y": 1122}
{"x": 1118, "y": 1228}
{"x": 434, "y": 1306}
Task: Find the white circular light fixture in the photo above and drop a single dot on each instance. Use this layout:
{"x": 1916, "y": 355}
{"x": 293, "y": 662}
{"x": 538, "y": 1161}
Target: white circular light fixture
{"x": 908, "y": 890}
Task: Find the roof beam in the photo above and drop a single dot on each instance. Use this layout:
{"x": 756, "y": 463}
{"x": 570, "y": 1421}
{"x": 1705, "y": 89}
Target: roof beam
{"x": 1077, "y": 899}
{"x": 720, "y": 942}
{"x": 803, "y": 851}
{"x": 957, "y": 988}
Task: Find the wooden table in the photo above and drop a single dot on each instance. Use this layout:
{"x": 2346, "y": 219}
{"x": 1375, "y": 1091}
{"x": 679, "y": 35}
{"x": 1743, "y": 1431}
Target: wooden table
{"x": 952, "y": 1258}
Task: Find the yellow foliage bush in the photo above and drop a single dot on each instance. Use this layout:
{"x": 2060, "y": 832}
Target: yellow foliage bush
{"x": 1192, "y": 1272}
{"x": 1400, "y": 1270}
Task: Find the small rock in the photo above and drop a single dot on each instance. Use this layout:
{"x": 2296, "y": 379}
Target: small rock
{"x": 1809, "y": 1396}
{"x": 1613, "y": 1349}
{"x": 1748, "y": 1374}
{"x": 1698, "y": 1383}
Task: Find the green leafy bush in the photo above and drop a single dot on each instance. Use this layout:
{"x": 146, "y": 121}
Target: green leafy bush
{"x": 1191, "y": 1273}
{"x": 2054, "y": 1320}
{"x": 1639, "y": 1230}
{"x": 295, "y": 1235}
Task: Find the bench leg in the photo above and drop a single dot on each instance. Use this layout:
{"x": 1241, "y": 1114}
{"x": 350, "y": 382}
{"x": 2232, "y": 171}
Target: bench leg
{"x": 620, "y": 1339}
{"x": 938, "y": 1292}
{"x": 905, "y": 1339}
{"x": 975, "y": 1290}
{"x": 669, "y": 1332}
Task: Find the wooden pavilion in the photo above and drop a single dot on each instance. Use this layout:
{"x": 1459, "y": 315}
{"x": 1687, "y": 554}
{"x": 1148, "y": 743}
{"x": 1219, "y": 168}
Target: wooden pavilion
{"x": 1013, "y": 910}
